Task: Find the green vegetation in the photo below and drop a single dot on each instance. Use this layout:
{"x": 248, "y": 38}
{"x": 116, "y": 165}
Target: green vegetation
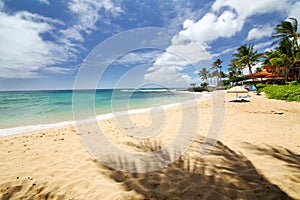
{"x": 204, "y": 74}
{"x": 201, "y": 88}
{"x": 216, "y": 67}
{"x": 246, "y": 56}
{"x": 260, "y": 86}
{"x": 289, "y": 92}
{"x": 258, "y": 69}
{"x": 204, "y": 84}
{"x": 287, "y": 53}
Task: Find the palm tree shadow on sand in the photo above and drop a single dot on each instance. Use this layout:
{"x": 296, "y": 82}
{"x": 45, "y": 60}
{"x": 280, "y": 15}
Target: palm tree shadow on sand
{"x": 291, "y": 159}
{"x": 288, "y": 163}
{"x": 223, "y": 174}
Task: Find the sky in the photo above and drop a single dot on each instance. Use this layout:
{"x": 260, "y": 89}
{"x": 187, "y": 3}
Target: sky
{"x": 52, "y": 44}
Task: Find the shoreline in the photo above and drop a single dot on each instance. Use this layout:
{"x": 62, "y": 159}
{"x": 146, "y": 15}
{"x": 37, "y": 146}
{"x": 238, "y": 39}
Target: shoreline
{"x": 38, "y": 127}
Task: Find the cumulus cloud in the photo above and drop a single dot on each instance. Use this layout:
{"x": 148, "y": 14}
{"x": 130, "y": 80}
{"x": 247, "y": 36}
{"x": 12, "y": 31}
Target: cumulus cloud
{"x": 22, "y": 56}
{"x": 139, "y": 57}
{"x": 211, "y": 27}
{"x": 29, "y": 55}
{"x": 168, "y": 76}
{"x": 259, "y": 33}
{"x": 215, "y": 25}
{"x": 169, "y": 67}
{"x": 188, "y": 50}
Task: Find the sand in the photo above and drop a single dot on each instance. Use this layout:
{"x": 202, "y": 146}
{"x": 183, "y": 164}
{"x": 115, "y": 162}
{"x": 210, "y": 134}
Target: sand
{"x": 257, "y": 156}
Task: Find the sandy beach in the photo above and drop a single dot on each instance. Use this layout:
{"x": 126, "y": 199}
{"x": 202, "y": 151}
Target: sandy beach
{"x": 257, "y": 156}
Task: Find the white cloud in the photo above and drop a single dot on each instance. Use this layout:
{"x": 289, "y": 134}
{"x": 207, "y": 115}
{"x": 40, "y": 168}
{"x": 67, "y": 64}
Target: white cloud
{"x": 211, "y": 27}
{"x": 259, "y": 33}
{"x": 87, "y": 15}
{"x": 215, "y": 25}
{"x": 184, "y": 51}
{"x": 246, "y": 70}
{"x": 263, "y": 45}
{"x": 58, "y": 70}
{"x": 139, "y": 57}
{"x": 87, "y": 12}
{"x": 22, "y": 56}
{"x": 223, "y": 51}
{"x": 168, "y": 76}
{"x": 25, "y": 53}
{"x": 71, "y": 34}
{"x": 37, "y": 18}
{"x": 111, "y": 8}
{"x": 45, "y": 2}
{"x": 169, "y": 67}
{"x": 248, "y": 8}
{"x": 294, "y": 11}
{"x": 179, "y": 12}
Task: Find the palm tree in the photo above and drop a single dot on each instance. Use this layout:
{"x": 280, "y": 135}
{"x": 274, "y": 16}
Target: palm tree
{"x": 215, "y": 74}
{"x": 234, "y": 69}
{"x": 287, "y": 29}
{"x": 246, "y": 56}
{"x": 234, "y": 72}
{"x": 222, "y": 75}
{"x": 193, "y": 85}
{"x": 204, "y": 74}
{"x": 216, "y": 65}
{"x": 282, "y": 57}
{"x": 285, "y": 32}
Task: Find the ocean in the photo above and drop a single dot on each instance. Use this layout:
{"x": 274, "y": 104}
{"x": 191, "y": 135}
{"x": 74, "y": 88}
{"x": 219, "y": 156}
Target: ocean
{"x": 23, "y": 111}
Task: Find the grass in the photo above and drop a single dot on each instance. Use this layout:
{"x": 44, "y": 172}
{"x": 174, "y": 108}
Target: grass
{"x": 289, "y": 92}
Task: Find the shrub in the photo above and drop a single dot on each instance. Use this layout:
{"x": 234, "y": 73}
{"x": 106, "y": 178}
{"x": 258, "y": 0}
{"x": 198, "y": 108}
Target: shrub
{"x": 204, "y": 84}
{"x": 259, "y": 86}
{"x": 293, "y": 83}
{"x": 283, "y": 92}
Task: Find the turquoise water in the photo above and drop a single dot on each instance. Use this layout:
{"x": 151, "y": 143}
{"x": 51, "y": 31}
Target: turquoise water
{"x": 25, "y": 108}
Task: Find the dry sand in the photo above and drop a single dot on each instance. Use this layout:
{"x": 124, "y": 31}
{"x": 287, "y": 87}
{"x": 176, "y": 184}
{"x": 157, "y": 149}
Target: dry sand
{"x": 257, "y": 157}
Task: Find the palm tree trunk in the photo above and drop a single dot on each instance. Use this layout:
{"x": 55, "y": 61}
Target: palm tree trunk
{"x": 250, "y": 70}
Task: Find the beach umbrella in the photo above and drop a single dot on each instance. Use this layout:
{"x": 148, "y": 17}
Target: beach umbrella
{"x": 237, "y": 90}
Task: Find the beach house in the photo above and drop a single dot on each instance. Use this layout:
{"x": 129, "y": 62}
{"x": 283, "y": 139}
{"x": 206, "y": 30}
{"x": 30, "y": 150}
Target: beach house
{"x": 276, "y": 74}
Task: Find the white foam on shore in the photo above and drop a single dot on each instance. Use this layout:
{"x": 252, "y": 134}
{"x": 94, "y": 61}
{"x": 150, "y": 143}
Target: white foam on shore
{"x": 25, "y": 129}
{"x": 31, "y": 128}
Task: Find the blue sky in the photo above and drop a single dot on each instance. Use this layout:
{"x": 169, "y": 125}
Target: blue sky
{"x": 47, "y": 44}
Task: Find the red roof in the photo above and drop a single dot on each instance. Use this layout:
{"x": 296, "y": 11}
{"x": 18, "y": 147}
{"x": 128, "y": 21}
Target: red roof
{"x": 261, "y": 74}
